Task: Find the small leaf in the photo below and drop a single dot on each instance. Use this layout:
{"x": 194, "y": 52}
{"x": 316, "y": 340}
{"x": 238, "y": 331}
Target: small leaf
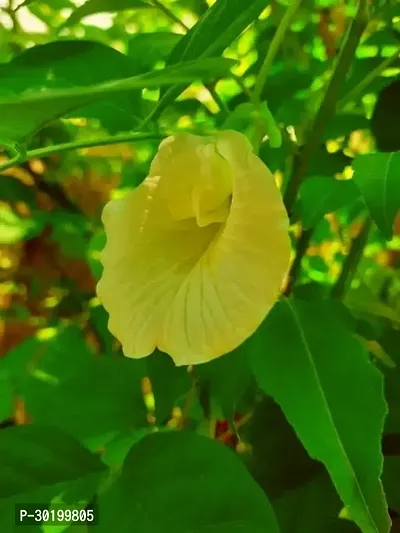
{"x": 23, "y": 115}
{"x": 378, "y": 178}
{"x": 320, "y": 195}
{"x": 91, "y": 7}
{"x": 325, "y": 395}
{"x": 194, "y": 484}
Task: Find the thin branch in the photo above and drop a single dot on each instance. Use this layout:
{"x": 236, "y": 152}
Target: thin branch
{"x": 64, "y": 147}
{"x": 302, "y": 246}
{"x": 328, "y": 106}
{"x": 274, "y": 48}
{"x": 352, "y": 260}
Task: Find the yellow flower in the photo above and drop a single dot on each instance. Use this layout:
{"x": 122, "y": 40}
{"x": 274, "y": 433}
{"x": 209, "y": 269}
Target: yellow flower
{"x": 196, "y": 255}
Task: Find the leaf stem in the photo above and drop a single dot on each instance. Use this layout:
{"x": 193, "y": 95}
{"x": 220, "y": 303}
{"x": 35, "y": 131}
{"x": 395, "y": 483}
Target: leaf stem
{"x": 274, "y": 48}
{"x": 64, "y": 147}
{"x": 357, "y": 91}
{"x": 352, "y": 260}
{"x": 328, "y": 106}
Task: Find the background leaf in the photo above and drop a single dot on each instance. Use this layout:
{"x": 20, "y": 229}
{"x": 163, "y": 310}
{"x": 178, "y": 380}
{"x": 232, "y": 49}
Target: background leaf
{"x": 193, "y": 482}
{"x": 92, "y": 7}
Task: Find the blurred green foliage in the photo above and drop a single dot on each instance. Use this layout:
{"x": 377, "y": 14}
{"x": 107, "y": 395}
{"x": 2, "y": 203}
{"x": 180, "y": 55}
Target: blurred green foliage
{"x": 87, "y": 91}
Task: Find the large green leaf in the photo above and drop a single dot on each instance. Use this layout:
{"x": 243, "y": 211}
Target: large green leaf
{"x": 378, "y": 178}
{"x": 101, "y": 398}
{"x": 182, "y": 482}
{"x": 23, "y": 115}
{"x": 92, "y": 7}
{"x": 215, "y": 30}
{"x": 64, "y": 385}
{"x": 305, "y": 356}
{"x": 35, "y": 456}
{"x": 71, "y": 63}
{"x": 320, "y": 195}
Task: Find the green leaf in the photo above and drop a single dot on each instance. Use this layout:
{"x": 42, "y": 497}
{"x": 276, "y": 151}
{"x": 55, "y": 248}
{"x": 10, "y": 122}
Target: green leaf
{"x": 343, "y": 124}
{"x": 277, "y": 461}
{"x": 35, "y": 456}
{"x": 91, "y": 7}
{"x": 320, "y": 195}
{"x": 12, "y": 190}
{"x": 70, "y": 63}
{"x": 89, "y": 396}
{"x": 224, "y": 21}
{"x": 378, "y": 178}
{"x": 24, "y": 115}
{"x": 226, "y": 379}
{"x": 6, "y": 397}
{"x": 101, "y": 398}
{"x": 148, "y": 48}
{"x": 312, "y": 508}
{"x": 168, "y": 382}
{"x": 193, "y": 484}
{"x": 385, "y": 118}
{"x": 307, "y": 359}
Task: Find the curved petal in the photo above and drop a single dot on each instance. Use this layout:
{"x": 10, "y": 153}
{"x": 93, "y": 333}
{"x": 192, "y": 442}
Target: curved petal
{"x": 196, "y": 255}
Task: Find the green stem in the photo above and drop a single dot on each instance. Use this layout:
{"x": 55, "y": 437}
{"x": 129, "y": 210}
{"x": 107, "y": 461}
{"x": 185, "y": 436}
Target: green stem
{"x": 274, "y": 48}
{"x": 352, "y": 260}
{"x": 170, "y": 14}
{"x": 360, "y": 87}
{"x": 302, "y": 246}
{"x": 102, "y": 141}
{"x": 328, "y": 106}
{"x": 217, "y": 99}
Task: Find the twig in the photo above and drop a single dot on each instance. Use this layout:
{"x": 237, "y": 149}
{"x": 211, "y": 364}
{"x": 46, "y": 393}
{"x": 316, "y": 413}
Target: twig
{"x": 352, "y": 260}
{"x": 302, "y": 246}
{"x": 274, "y": 48}
{"x": 64, "y": 147}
